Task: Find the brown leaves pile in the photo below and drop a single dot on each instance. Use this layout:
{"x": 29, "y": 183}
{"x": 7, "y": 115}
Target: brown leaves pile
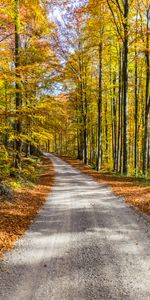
{"x": 17, "y": 214}
{"x": 135, "y": 191}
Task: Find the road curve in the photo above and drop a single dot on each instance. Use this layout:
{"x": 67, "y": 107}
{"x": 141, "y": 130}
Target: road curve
{"x": 85, "y": 243}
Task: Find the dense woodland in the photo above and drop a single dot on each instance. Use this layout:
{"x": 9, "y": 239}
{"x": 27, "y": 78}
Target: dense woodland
{"x": 75, "y": 80}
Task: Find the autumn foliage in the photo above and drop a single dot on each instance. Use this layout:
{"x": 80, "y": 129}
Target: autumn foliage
{"x": 75, "y": 80}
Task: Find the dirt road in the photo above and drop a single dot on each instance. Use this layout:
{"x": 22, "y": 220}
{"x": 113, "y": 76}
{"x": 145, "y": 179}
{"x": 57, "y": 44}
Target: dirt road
{"x": 85, "y": 243}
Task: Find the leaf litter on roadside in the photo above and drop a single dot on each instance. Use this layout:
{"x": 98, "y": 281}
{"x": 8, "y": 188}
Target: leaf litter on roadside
{"x": 136, "y": 191}
{"x": 17, "y": 214}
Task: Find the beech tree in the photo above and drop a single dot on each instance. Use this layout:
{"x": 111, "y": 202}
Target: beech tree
{"x": 75, "y": 79}
{"x": 111, "y": 48}
{"x": 29, "y": 67}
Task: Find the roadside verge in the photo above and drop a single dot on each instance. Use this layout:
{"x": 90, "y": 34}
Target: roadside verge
{"x": 135, "y": 191}
{"x": 17, "y": 213}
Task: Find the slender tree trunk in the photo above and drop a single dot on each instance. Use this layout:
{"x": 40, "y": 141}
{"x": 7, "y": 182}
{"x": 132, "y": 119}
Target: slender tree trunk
{"x": 78, "y": 126}
{"x": 136, "y": 115}
{"x": 6, "y": 117}
{"x": 119, "y": 145}
{"x": 66, "y": 148}
{"x": 114, "y": 126}
{"x": 60, "y": 141}
{"x": 48, "y": 146}
{"x": 106, "y": 154}
{"x": 99, "y": 136}
{"x": 55, "y": 143}
{"x": 92, "y": 144}
{"x": 85, "y": 120}
{"x": 147, "y": 98}
{"x": 78, "y": 142}
{"x": 125, "y": 89}
{"x": 85, "y": 141}
{"x": 81, "y": 106}
{"x": 18, "y": 87}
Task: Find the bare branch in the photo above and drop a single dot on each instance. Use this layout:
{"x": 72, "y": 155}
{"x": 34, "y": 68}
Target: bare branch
{"x": 6, "y": 37}
{"x": 118, "y": 29}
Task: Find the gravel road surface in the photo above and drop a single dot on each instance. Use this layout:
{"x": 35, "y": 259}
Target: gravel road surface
{"x": 85, "y": 243}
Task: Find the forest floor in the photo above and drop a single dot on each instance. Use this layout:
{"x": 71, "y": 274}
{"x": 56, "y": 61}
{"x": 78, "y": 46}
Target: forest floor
{"x": 17, "y": 212}
{"x": 135, "y": 191}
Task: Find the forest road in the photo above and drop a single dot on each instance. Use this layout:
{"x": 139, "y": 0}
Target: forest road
{"x": 85, "y": 243}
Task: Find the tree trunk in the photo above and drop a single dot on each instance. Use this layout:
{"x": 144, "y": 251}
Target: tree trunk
{"x": 55, "y": 142}
{"x": 125, "y": 89}
{"x": 136, "y": 115}
{"x": 119, "y": 145}
{"x": 114, "y": 126}
{"x": 99, "y": 137}
{"x": 81, "y": 106}
{"x": 85, "y": 120}
{"x": 147, "y": 98}
{"x": 60, "y": 141}
{"x": 18, "y": 101}
{"x": 6, "y": 118}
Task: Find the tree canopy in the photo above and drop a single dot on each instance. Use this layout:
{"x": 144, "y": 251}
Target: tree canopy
{"x": 75, "y": 79}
